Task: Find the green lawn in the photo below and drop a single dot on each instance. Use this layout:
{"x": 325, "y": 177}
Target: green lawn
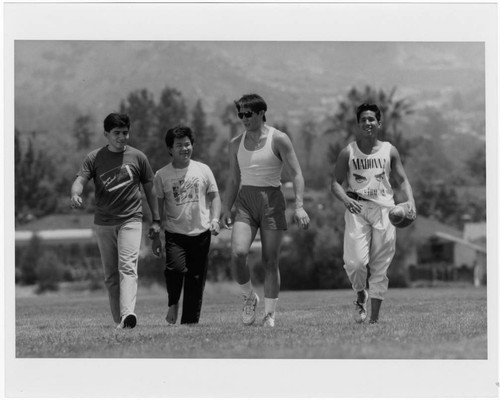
{"x": 426, "y": 323}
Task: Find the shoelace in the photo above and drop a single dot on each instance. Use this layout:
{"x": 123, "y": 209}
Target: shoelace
{"x": 249, "y": 305}
{"x": 358, "y": 304}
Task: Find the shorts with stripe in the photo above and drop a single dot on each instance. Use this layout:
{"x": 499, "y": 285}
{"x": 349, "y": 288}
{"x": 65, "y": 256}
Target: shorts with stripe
{"x": 261, "y": 207}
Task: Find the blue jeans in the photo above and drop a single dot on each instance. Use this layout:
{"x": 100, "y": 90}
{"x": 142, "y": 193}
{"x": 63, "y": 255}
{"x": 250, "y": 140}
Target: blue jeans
{"x": 119, "y": 246}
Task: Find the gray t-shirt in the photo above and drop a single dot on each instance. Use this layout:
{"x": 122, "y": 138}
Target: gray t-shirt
{"x": 117, "y": 178}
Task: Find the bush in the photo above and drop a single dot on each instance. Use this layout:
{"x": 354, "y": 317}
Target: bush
{"x": 296, "y": 261}
{"x": 313, "y": 257}
{"x": 93, "y": 273}
{"x": 219, "y": 264}
{"x": 27, "y": 259}
{"x": 151, "y": 269}
{"x": 49, "y": 272}
{"x": 397, "y": 277}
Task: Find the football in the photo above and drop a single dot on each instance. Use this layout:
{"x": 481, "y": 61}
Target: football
{"x": 400, "y": 216}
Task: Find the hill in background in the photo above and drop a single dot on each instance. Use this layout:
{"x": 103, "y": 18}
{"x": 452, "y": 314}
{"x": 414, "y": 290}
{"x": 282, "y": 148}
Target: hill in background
{"x": 58, "y": 81}
{"x": 55, "y": 77}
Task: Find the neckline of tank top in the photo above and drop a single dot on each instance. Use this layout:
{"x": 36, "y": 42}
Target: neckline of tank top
{"x": 371, "y": 154}
{"x": 270, "y": 130}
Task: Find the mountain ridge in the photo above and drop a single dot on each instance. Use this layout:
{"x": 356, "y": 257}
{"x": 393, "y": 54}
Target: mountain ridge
{"x": 57, "y": 81}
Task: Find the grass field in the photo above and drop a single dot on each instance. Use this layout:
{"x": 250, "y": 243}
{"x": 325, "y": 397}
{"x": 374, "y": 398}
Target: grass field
{"x": 426, "y": 323}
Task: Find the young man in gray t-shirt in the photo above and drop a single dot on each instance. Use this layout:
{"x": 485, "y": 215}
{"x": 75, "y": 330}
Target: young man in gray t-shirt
{"x": 118, "y": 170}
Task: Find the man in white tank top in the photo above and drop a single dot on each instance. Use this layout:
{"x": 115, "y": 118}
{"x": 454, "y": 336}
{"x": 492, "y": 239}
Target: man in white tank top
{"x": 361, "y": 182}
{"x": 256, "y": 159}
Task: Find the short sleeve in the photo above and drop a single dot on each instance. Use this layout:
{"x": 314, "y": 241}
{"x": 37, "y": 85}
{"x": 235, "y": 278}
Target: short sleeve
{"x": 146, "y": 172}
{"x": 158, "y": 186}
{"x": 87, "y": 169}
{"x": 211, "y": 182}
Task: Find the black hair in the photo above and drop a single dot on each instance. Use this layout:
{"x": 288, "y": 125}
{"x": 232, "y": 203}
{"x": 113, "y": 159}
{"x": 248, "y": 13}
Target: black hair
{"x": 116, "y": 120}
{"x": 178, "y": 132}
{"x": 253, "y": 102}
{"x": 369, "y": 107}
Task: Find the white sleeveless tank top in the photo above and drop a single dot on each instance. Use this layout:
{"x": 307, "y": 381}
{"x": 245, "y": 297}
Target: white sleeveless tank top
{"x": 260, "y": 167}
{"x": 368, "y": 174}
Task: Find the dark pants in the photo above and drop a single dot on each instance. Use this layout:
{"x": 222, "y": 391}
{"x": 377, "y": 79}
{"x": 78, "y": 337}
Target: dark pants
{"x": 190, "y": 252}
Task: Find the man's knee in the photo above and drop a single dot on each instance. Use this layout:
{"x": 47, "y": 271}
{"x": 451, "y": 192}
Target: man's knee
{"x": 128, "y": 268}
{"x": 239, "y": 254}
{"x": 354, "y": 265}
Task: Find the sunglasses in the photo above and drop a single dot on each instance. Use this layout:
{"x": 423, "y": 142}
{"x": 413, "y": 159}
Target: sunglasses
{"x": 247, "y": 114}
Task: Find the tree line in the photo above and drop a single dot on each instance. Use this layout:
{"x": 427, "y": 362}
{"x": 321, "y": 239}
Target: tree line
{"x": 41, "y": 186}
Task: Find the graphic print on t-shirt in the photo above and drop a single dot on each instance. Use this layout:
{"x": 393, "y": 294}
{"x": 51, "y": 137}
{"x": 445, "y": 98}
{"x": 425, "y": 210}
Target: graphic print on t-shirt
{"x": 359, "y": 178}
{"x": 370, "y": 173}
{"x": 117, "y": 177}
{"x": 186, "y": 191}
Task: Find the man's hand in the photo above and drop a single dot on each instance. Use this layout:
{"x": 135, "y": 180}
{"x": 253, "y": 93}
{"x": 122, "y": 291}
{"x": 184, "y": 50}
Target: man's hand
{"x": 301, "y": 218}
{"x": 214, "y": 227}
{"x": 412, "y": 210}
{"x": 226, "y": 221}
{"x": 156, "y": 245}
{"x": 353, "y": 206}
{"x": 154, "y": 235}
{"x": 76, "y": 201}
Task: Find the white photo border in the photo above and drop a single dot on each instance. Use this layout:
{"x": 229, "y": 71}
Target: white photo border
{"x": 324, "y": 21}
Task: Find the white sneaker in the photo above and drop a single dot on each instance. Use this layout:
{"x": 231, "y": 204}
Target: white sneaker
{"x": 249, "y": 305}
{"x": 268, "y": 321}
{"x": 360, "y": 306}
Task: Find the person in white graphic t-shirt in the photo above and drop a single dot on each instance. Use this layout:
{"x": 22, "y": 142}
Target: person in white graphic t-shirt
{"x": 361, "y": 182}
{"x": 256, "y": 159}
{"x": 189, "y": 206}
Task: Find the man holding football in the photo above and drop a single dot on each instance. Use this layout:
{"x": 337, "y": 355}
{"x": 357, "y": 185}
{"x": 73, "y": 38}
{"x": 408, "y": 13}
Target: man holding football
{"x": 361, "y": 182}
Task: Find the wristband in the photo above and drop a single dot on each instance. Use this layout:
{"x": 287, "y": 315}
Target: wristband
{"x": 158, "y": 221}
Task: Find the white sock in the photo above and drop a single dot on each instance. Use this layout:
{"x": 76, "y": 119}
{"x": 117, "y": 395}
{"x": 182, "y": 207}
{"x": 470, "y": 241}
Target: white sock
{"x": 270, "y": 305}
{"x": 246, "y": 288}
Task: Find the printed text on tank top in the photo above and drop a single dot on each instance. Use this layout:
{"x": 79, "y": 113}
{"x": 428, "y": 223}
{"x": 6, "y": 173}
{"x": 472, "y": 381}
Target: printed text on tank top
{"x": 368, "y": 175}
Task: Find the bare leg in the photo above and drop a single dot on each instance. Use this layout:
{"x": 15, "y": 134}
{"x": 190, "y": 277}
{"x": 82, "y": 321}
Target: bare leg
{"x": 241, "y": 240}
{"x": 271, "y": 244}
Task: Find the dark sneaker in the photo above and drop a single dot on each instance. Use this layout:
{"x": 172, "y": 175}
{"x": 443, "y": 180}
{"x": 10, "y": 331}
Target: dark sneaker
{"x": 374, "y": 321}
{"x": 360, "y": 306}
{"x": 128, "y": 322}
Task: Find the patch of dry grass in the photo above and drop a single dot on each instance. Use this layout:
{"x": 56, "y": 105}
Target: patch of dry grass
{"x": 445, "y": 323}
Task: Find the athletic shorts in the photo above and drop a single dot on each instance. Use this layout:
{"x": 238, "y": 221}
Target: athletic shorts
{"x": 261, "y": 207}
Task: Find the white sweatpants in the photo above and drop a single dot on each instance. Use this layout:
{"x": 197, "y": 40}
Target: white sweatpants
{"x": 369, "y": 239}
